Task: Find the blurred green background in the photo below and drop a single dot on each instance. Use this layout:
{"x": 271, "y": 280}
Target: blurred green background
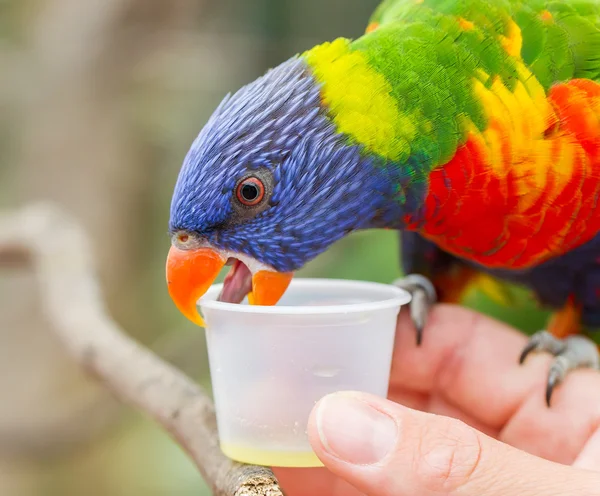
{"x": 99, "y": 101}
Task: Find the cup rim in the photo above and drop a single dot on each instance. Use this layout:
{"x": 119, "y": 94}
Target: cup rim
{"x": 398, "y": 297}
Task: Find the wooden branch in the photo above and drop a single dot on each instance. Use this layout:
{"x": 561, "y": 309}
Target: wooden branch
{"x": 72, "y": 301}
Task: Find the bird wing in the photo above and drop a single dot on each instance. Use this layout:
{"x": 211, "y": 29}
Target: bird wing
{"x": 516, "y": 181}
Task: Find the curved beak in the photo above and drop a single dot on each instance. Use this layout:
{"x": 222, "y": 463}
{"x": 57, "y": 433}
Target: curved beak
{"x": 268, "y": 287}
{"x": 189, "y": 275}
{"x": 191, "y": 272}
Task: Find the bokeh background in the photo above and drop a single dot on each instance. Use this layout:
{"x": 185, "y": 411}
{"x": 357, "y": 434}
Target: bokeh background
{"x": 99, "y": 101}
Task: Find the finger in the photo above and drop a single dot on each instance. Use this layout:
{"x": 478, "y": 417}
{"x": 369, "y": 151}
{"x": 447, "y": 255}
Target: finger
{"x": 469, "y": 359}
{"x": 312, "y": 481}
{"x": 383, "y": 448}
{"x": 589, "y": 458}
{"x": 479, "y": 382}
{"x": 438, "y": 405}
{"x": 411, "y": 399}
{"x": 558, "y": 433}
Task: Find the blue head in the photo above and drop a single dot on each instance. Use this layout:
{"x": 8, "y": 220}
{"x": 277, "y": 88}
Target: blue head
{"x": 269, "y": 181}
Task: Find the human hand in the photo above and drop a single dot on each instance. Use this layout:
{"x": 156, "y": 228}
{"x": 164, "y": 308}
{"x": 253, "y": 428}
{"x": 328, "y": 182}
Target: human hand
{"x": 507, "y": 442}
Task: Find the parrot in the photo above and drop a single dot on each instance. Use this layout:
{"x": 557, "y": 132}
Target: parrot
{"x": 470, "y": 127}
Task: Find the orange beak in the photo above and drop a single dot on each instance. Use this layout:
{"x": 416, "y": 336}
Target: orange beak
{"x": 268, "y": 287}
{"x": 191, "y": 272}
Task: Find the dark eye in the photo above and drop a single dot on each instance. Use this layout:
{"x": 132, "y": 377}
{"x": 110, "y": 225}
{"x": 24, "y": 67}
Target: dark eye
{"x": 250, "y": 191}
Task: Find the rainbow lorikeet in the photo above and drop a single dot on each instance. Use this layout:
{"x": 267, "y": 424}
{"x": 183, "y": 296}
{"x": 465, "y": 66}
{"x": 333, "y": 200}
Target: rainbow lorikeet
{"x": 471, "y": 126}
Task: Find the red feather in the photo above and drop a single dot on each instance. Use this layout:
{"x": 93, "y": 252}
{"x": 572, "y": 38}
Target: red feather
{"x": 540, "y": 205}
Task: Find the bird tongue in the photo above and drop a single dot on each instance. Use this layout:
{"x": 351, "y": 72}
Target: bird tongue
{"x": 237, "y": 284}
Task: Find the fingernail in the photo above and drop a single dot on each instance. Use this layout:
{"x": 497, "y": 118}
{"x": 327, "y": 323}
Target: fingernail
{"x": 353, "y": 430}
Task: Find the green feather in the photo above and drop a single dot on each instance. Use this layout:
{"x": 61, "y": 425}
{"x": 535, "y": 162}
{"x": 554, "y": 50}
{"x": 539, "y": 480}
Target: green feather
{"x": 568, "y": 46}
{"x": 430, "y": 61}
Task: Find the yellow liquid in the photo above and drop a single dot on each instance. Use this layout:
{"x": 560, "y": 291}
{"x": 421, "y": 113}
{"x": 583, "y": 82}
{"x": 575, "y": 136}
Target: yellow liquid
{"x": 244, "y": 454}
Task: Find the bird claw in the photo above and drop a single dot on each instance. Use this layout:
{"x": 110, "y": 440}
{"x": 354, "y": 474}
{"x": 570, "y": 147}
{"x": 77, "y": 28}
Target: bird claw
{"x": 570, "y": 353}
{"x": 423, "y": 296}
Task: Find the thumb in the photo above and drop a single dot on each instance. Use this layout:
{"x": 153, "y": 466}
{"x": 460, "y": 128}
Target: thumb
{"x": 383, "y": 448}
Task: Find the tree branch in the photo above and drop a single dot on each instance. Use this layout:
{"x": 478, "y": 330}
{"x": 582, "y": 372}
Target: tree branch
{"x": 72, "y": 301}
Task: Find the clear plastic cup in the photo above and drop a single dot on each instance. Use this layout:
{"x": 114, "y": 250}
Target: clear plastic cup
{"x": 270, "y": 364}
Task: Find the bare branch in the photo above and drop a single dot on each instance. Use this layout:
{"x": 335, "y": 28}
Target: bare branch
{"x": 72, "y": 301}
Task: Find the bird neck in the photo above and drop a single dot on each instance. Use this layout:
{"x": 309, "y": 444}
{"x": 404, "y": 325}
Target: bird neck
{"x": 397, "y": 192}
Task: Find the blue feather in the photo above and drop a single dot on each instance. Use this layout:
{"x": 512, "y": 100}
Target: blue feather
{"x": 324, "y": 187}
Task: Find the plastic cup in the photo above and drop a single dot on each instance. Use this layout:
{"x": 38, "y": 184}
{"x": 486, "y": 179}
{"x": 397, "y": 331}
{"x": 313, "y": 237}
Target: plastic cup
{"x": 270, "y": 364}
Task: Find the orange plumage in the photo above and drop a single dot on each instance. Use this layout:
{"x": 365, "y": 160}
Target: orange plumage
{"x": 536, "y": 201}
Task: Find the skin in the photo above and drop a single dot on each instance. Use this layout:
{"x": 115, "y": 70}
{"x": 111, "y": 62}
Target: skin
{"x": 491, "y": 436}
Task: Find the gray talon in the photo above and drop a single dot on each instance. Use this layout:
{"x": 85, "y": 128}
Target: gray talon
{"x": 570, "y": 353}
{"x": 423, "y": 297}
{"x": 543, "y": 341}
{"x": 418, "y": 312}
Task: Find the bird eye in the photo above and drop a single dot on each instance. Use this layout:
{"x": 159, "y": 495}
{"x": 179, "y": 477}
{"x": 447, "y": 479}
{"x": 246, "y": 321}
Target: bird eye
{"x": 250, "y": 191}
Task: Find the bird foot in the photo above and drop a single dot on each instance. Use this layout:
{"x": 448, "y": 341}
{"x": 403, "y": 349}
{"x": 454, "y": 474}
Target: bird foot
{"x": 570, "y": 353}
{"x": 423, "y": 297}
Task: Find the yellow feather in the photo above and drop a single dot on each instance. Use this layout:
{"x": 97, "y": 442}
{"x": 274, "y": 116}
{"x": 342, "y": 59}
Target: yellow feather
{"x": 360, "y": 100}
{"x": 513, "y": 42}
{"x": 493, "y": 289}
